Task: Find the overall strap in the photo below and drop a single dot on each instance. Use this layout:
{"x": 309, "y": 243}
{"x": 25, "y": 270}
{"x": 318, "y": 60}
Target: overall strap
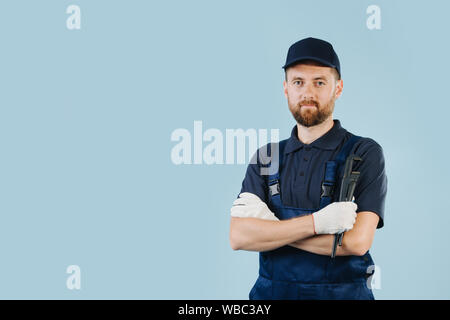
{"x": 274, "y": 179}
{"x": 331, "y": 169}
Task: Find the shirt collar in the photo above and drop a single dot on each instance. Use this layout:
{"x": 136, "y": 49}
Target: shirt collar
{"x": 329, "y": 141}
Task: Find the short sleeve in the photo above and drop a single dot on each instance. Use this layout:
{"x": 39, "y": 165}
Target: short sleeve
{"x": 371, "y": 187}
{"x": 254, "y": 182}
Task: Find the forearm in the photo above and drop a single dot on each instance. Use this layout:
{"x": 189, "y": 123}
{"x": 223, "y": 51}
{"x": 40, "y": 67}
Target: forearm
{"x": 262, "y": 235}
{"x": 356, "y": 241}
{"x": 323, "y": 245}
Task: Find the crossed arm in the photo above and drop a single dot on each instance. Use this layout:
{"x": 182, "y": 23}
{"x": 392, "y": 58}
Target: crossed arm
{"x": 356, "y": 241}
{"x": 255, "y": 234}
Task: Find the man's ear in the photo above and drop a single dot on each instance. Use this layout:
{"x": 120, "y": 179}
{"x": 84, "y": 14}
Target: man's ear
{"x": 285, "y": 88}
{"x": 339, "y": 88}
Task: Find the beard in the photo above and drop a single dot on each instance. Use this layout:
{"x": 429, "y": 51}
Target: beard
{"x": 309, "y": 117}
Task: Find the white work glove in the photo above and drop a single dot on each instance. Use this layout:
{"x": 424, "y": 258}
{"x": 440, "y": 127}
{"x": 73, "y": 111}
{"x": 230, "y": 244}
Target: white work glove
{"x": 336, "y": 217}
{"x": 249, "y": 205}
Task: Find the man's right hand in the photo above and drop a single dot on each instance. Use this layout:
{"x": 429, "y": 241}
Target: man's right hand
{"x": 335, "y": 218}
{"x": 249, "y": 205}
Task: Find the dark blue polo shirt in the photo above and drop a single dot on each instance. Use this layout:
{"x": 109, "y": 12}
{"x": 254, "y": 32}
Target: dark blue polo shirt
{"x": 303, "y": 171}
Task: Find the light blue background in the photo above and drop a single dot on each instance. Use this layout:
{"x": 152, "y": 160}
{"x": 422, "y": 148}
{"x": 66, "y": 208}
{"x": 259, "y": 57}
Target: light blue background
{"x": 86, "y": 117}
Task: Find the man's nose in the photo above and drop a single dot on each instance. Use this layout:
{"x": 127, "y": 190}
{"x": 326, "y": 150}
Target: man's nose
{"x": 307, "y": 92}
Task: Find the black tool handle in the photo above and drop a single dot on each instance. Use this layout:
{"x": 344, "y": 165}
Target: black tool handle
{"x": 346, "y": 194}
{"x": 349, "y": 197}
{"x": 335, "y": 243}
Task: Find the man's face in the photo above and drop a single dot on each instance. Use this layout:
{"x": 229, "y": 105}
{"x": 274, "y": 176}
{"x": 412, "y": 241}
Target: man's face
{"x": 311, "y": 92}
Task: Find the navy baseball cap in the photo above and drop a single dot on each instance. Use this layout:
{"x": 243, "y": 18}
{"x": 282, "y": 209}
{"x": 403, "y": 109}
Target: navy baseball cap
{"x": 313, "y": 49}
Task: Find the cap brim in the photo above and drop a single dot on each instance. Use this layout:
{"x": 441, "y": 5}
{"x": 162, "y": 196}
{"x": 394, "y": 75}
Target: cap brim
{"x": 291, "y": 63}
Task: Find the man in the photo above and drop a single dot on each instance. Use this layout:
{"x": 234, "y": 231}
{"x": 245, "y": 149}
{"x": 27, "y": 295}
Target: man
{"x": 292, "y": 215}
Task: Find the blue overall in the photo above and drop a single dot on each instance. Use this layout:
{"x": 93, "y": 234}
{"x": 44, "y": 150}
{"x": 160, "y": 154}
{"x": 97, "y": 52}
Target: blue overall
{"x": 291, "y": 273}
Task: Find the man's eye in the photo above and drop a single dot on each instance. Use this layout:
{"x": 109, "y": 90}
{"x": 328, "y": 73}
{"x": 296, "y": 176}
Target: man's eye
{"x": 297, "y": 82}
{"x": 320, "y": 83}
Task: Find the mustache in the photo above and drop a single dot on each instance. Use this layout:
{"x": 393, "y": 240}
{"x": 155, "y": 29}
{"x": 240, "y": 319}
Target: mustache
{"x": 307, "y": 102}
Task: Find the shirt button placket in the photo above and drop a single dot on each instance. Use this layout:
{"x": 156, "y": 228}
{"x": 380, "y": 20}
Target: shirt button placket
{"x": 304, "y": 165}
{"x": 305, "y": 159}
